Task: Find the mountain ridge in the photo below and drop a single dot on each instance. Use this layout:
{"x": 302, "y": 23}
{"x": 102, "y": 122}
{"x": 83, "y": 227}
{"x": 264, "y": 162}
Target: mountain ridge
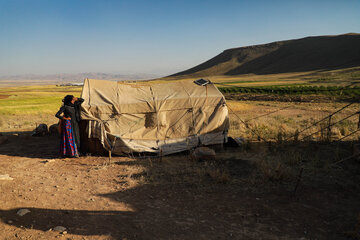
{"x": 79, "y": 77}
{"x": 298, "y": 55}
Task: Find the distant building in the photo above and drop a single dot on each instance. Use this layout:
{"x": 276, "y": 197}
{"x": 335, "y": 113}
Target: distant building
{"x": 71, "y": 84}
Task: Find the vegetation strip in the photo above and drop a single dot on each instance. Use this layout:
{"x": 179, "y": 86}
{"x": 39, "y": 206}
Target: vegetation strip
{"x": 297, "y": 90}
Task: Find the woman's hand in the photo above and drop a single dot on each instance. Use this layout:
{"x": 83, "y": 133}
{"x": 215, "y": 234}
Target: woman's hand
{"x": 65, "y": 118}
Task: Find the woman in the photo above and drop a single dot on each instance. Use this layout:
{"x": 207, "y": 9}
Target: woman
{"x": 69, "y": 124}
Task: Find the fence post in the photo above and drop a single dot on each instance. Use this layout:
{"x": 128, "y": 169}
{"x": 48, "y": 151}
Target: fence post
{"x": 328, "y": 135}
{"x": 296, "y": 136}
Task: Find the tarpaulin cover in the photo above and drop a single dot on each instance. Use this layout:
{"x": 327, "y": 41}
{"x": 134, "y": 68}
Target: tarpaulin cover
{"x": 164, "y": 117}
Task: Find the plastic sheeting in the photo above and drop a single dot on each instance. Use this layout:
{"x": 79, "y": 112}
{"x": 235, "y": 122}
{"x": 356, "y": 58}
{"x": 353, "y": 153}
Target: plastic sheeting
{"x": 164, "y": 117}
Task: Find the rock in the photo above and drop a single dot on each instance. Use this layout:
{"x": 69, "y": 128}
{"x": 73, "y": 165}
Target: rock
{"x": 48, "y": 161}
{"x": 41, "y": 130}
{"x": 54, "y": 129}
{"x": 22, "y": 212}
{"x": 235, "y": 142}
{"x": 60, "y": 229}
{"x": 10, "y": 222}
{"x": 203, "y": 154}
{"x": 5, "y": 177}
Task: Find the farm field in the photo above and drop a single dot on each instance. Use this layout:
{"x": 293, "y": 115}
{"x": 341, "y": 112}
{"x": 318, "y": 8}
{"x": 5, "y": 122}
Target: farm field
{"x": 339, "y": 77}
{"x": 285, "y": 190}
{"x": 23, "y": 108}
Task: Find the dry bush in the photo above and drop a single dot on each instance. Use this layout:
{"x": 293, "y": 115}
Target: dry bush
{"x": 217, "y": 175}
{"x": 235, "y": 124}
{"x": 355, "y": 234}
{"x": 136, "y": 175}
{"x": 273, "y": 170}
{"x": 291, "y": 158}
{"x": 183, "y": 170}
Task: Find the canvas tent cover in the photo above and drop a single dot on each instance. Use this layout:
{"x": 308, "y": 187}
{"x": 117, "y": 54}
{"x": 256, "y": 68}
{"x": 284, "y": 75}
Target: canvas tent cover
{"x": 164, "y": 117}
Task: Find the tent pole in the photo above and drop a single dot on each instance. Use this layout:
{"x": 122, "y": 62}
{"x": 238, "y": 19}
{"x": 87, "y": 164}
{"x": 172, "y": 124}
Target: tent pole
{"x": 112, "y": 147}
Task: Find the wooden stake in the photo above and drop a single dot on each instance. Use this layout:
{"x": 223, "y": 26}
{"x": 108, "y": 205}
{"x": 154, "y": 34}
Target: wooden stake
{"x": 359, "y": 121}
{"x": 161, "y": 153}
{"x": 328, "y": 136}
{"x": 298, "y": 180}
{"x": 110, "y": 157}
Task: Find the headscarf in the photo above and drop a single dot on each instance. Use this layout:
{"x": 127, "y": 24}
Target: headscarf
{"x": 67, "y": 100}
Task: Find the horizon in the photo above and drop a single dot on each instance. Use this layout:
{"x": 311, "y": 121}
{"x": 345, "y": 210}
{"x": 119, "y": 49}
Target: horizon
{"x": 161, "y": 38}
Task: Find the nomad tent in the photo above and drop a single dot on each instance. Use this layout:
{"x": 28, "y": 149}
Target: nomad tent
{"x": 157, "y": 117}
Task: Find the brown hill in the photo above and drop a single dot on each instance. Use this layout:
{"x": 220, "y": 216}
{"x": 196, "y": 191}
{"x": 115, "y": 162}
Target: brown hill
{"x": 299, "y": 55}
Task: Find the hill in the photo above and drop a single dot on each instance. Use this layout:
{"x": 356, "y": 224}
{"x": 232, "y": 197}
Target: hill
{"x": 299, "y": 55}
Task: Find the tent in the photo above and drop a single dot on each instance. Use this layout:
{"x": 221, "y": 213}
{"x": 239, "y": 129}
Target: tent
{"x": 157, "y": 117}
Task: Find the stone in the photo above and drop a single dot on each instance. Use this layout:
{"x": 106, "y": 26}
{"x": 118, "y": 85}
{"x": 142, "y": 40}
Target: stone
{"x": 5, "y": 177}
{"x": 203, "y": 154}
{"x": 23, "y": 212}
{"x": 40, "y": 130}
{"x": 54, "y": 129}
{"x": 48, "y": 161}
{"x": 235, "y": 142}
{"x": 59, "y": 229}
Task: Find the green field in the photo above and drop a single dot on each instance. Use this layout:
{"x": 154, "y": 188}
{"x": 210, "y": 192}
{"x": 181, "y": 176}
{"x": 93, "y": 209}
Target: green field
{"x": 296, "y": 89}
{"x": 22, "y": 108}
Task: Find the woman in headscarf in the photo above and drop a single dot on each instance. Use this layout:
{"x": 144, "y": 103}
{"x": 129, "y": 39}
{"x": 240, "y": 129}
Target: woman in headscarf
{"x": 69, "y": 125}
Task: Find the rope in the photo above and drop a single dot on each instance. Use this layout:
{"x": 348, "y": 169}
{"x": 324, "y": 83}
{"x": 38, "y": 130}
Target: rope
{"x": 353, "y": 132}
{"x": 321, "y": 129}
{"x": 171, "y": 127}
{"x": 247, "y": 126}
{"x": 267, "y": 114}
{"x": 317, "y": 122}
{"x": 303, "y": 130}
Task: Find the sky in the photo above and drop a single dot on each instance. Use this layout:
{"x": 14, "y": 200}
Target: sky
{"x": 153, "y": 36}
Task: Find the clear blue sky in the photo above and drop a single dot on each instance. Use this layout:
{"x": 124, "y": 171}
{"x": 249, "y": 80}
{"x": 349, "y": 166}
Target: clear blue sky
{"x": 150, "y": 36}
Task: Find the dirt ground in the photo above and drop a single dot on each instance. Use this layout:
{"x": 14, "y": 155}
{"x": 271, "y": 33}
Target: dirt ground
{"x": 2, "y": 96}
{"x": 175, "y": 198}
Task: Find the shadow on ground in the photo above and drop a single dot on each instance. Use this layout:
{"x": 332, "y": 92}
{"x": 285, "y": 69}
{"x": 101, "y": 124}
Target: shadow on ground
{"x": 79, "y": 222}
{"x": 22, "y": 144}
{"x": 182, "y": 203}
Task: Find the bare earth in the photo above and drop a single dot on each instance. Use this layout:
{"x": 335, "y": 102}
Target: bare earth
{"x": 148, "y": 199}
